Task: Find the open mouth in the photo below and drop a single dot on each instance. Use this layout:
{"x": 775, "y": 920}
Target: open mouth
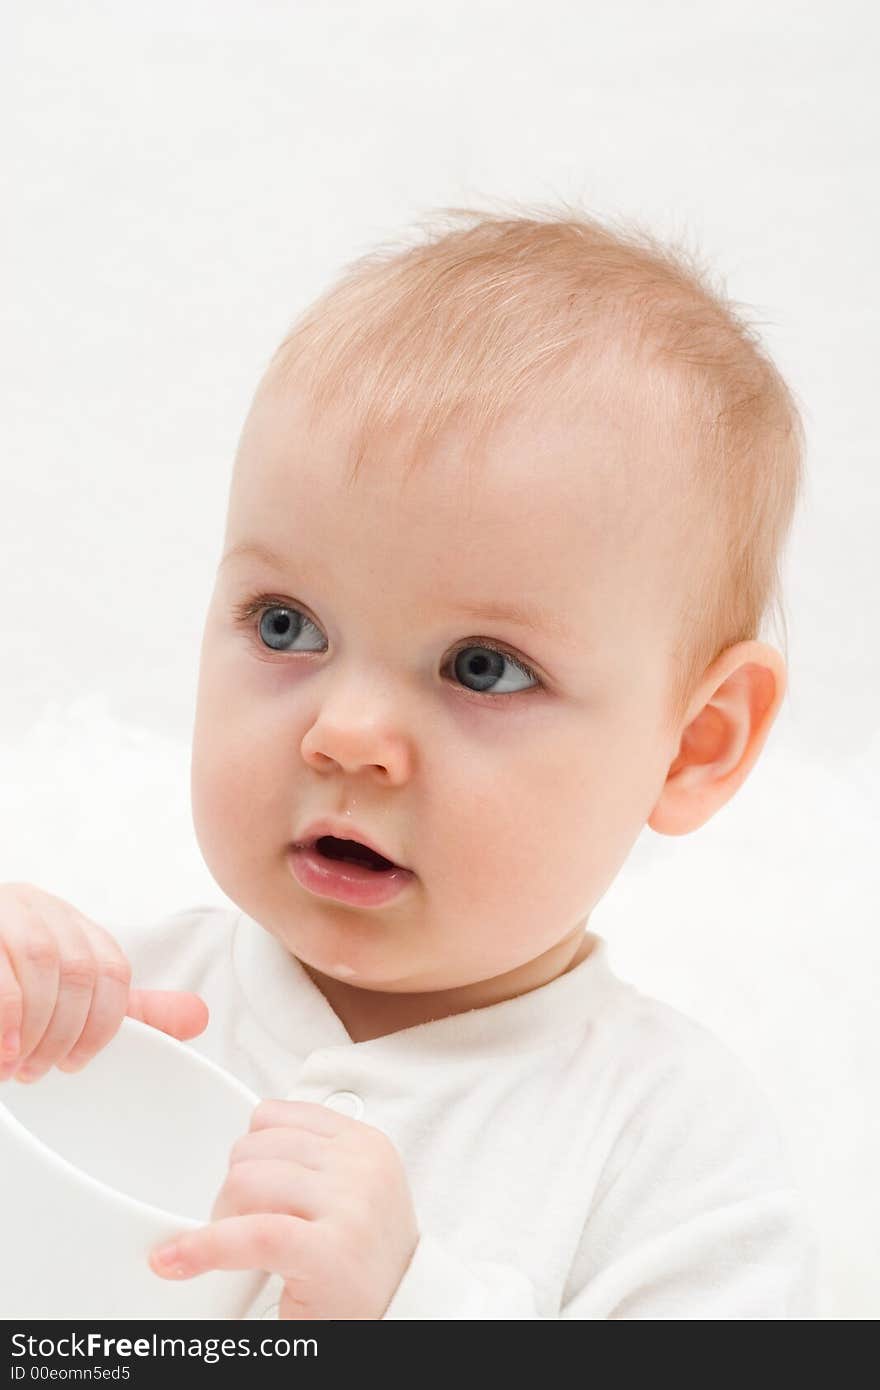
{"x": 350, "y": 852}
{"x": 347, "y": 871}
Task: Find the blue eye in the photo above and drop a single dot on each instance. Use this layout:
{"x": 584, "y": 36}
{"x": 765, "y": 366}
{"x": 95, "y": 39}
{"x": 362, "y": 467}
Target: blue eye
{"x": 479, "y": 666}
{"x": 280, "y": 627}
{"x": 485, "y": 665}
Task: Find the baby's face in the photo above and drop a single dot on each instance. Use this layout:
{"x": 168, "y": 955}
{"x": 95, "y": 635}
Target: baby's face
{"x": 512, "y": 782}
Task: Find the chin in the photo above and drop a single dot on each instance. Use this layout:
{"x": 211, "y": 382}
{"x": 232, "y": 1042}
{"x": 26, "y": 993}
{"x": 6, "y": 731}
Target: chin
{"x": 339, "y": 968}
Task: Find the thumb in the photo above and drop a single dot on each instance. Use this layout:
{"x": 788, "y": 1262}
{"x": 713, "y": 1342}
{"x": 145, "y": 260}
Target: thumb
{"x": 178, "y": 1012}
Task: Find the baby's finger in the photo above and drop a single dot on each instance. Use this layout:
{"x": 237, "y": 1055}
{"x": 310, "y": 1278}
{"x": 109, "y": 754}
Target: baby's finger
{"x": 33, "y": 954}
{"x": 10, "y": 1016}
{"x": 109, "y": 998}
{"x": 268, "y": 1242}
{"x": 77, "y": 976}
{"x": 301, "y": 1146}
{"x": 274, "y": 1185}
{"x": 178, "y": 1012}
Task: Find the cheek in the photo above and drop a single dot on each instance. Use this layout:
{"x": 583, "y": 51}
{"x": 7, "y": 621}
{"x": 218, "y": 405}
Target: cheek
{"x": 512, "y": 825}
{"x": 240, "y": 791}
{"x": 214, "y": 777}
{"x": 538, "y": 837}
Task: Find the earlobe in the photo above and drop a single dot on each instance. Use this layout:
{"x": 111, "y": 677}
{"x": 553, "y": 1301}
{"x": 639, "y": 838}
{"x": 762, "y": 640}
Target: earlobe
{"x": 737, "y": 704}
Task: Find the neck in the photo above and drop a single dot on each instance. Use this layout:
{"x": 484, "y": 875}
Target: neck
{"x": 366, "y": 1013}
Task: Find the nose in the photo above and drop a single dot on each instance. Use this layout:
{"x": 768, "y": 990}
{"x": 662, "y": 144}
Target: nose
{"x": 355, "y": 734}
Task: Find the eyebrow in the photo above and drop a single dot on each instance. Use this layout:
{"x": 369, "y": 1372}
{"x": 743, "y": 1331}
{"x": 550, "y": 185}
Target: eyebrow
{"x": 524, "y": 615}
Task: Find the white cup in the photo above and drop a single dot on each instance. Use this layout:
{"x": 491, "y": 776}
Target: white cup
{"x": 98, "y": 1166}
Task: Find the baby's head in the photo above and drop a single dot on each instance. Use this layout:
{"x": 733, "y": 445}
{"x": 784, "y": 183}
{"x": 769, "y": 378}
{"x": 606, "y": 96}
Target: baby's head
{"x": 505, "y": 519}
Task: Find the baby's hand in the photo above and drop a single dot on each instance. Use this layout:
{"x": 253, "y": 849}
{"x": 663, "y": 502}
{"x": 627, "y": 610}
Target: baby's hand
{"x": 65, "y": 987}
{"x": 314, "y": 1196}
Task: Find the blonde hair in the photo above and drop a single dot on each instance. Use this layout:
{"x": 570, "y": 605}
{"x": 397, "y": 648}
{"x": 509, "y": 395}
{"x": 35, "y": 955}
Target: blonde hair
{"x": 493, "y": 310}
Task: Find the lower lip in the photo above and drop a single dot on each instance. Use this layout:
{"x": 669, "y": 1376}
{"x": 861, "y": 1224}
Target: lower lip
{"x": 348, "y": 883}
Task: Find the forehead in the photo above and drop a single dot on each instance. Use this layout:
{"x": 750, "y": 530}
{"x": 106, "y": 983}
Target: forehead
{"x": 556, "y": 506}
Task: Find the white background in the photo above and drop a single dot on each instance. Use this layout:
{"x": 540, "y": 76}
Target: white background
{"x": 181, "y": 179}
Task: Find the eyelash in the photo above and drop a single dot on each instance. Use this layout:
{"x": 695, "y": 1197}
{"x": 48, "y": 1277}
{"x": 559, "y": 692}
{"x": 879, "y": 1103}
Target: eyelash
{"x": 250, "y": 608}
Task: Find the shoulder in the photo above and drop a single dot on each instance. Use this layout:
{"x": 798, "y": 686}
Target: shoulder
{"x": 695, "y": 1211}
{"x": 690, "y": 1106}
{"x": 664, "y": 1047}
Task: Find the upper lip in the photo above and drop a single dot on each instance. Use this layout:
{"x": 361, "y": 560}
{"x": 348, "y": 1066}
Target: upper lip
{"x": 341, "y": 830}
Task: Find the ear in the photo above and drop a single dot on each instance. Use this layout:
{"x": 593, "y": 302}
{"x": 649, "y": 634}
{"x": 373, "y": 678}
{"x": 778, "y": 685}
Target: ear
{"x": 729, "y": 720}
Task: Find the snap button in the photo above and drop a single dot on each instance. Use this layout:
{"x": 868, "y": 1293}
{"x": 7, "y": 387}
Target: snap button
{"x": 347, "y": 1103}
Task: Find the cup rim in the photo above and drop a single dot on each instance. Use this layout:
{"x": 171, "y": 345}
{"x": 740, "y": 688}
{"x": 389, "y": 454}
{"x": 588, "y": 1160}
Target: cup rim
{"x": 57, "y": 1160}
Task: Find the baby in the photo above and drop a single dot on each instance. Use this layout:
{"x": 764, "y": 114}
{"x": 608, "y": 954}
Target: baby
{"x": 505, "y": 518}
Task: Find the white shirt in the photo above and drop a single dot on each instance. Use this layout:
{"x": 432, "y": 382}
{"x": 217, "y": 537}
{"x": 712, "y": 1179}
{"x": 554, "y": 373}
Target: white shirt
{"x": 581, "y": 1151}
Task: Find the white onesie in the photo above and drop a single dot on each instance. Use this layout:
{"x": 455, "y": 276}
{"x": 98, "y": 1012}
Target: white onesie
{"x": 580, "y": 1151}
